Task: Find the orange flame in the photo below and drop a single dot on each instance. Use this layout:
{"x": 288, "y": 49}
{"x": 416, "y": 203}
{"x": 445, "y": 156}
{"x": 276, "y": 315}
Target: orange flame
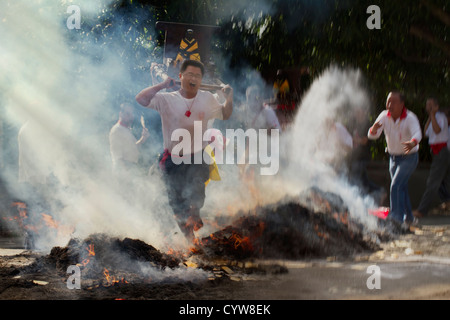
{"x": 322, "y": 235}
{"x": 83, "y": 263}
{"x": 49, "y": 221}
{"x": 236, "y": 239}
{"x": 239, "y": 241}
{"x": 45, "y": 220}
{"x": 343, "y": 218}
{"x": 111, "y": 280}
{"x": 22, "y": 208}
{"x": 91, "y": 252}
{"x": 19, "y": 205}
{"x": 180, "y": 254}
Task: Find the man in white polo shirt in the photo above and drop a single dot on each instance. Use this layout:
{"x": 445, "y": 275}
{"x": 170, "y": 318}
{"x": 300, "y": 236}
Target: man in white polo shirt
{"x": 436, "y": 129}
{"x": 124, "y": 146}
{"x": 444, "y": 191}
{"x": 403, "y": 134}
{"x": 179, "y": 110}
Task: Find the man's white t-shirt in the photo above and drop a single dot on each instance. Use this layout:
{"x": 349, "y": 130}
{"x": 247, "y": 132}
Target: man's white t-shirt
{"x": 265, "y": 119}
{"x": 406, "y": 128}
{"x": 36, "y": 156}
{"x": 442, "y": 136}
{"x": 172, "y": 107}
{"x": 123, "y": 145}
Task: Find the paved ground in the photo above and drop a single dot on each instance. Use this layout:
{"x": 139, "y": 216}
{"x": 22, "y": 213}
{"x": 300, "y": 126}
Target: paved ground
{"x": 333, "y": 280}
{"x": 414, "y": 266}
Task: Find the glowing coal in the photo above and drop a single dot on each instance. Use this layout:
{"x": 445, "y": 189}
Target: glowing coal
{"x": 293, "y": 228}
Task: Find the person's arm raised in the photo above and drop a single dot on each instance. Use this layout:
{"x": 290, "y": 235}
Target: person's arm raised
{"x": 228, "y": 108}
{"x": 145, "y": 96}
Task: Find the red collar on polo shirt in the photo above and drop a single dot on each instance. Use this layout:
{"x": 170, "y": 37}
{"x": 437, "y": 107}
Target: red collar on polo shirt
{"x": 402, "y": 116}
{"x": 123, "y": 125}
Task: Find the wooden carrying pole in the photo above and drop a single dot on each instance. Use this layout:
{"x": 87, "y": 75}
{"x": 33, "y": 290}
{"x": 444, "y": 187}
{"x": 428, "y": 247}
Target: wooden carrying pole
{"x": 205, "y": 86}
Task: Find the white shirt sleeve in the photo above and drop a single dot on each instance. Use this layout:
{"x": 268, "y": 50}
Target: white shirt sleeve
{"x": 216, "y": 107}
{"x": 272, "y": 119}
{"x": 381, "y": 118}
{"x": 414, "y": 127}
{"x": 156, "y": 102}
{"x": 343, "y": 135}
{"x": 441, "y": 122}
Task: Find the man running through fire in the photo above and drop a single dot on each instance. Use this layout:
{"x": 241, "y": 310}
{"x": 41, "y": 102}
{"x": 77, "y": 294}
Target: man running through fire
{"x": 179, "y": 109}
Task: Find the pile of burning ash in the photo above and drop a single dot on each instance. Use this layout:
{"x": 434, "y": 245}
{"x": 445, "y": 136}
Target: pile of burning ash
{"x": 289, "y": 229}
{"x": 316, "y": 224}
{"x": 110, "y": 259}
{"x": 107, "y": 261}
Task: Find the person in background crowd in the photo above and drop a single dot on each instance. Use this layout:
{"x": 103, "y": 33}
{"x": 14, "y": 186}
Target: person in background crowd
{"x": 436, "y": 129}
{"x": 281, "y": 88}
{"x": 443, "y": 190}
{"x": 255, "y": 115}
{"x": 124, "y": 146}
{"x": 403, "y": 134}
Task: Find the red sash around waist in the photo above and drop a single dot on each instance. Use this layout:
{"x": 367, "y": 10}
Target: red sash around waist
{"x": 436, "y": 148}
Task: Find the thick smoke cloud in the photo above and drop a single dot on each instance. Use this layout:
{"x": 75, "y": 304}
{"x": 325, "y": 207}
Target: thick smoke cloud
{"x": 318, "y": 146}
{"x": 63, "y": 102}
{"x": 68, "y": 99}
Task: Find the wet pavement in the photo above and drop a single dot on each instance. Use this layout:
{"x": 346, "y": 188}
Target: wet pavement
{"x": 413, "y": 266}
{"x": 401, "y": 279}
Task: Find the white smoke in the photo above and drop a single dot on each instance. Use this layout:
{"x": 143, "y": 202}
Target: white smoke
{"x": 70, "y": 112}
{"x": 316, "y": 149}
{"x": 313, "y": 152}
{"x": 63, "y": 94}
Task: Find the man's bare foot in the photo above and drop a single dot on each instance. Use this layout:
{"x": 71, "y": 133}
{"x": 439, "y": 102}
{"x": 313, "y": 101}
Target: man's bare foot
{"x": 445, "y": 205}
{"x": 418, "y": 214}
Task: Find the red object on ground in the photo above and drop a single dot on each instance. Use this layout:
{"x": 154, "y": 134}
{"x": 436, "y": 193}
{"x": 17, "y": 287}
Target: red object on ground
{"x": 381, "y": 212}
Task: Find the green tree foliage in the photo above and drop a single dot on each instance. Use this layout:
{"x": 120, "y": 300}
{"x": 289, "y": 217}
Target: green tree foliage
{"x": 410, "y": 52}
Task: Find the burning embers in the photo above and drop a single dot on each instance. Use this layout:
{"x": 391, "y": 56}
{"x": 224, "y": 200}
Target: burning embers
{"x": 91, "y": 251}
{"x": 285, "y": 230}
{"x": 108, "y": 278}
{"x": 106, "y": 261}
{"x": 317, "y": 224}
{"x": 36, "y": 223}
{"x": 289, "y": 230}
{"x": 233, "y": 241}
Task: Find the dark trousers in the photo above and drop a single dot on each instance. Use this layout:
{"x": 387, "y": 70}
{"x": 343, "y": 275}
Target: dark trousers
{"x": 401, "y": 168}
{"x": 438, "y": 180}
{"x": 186, "y": 191}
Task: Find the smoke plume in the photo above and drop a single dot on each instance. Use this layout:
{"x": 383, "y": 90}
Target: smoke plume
{"x": 63, "y": 98}
{"x": 320, "y": 142}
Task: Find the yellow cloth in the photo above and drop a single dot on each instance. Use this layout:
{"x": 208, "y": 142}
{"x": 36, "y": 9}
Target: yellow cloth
{"x": 188, "y": 50}
{"x": 213, "y": 168}
{"x": 282, "y": 87}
